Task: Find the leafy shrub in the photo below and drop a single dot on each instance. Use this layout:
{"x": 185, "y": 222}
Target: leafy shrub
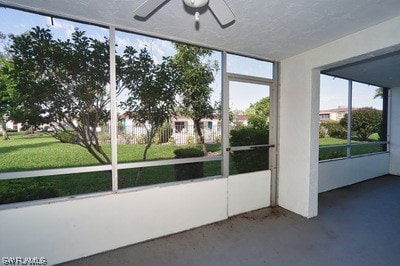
{"x": 365, "y": 122}
{"x": 190, "y": 140}
{"x": 17, "y": 191}
{"x": 188, "y": 153}
{"x": 258, "y": 113}
{"x": 323, "y": 132}
{"x": 142, "y": 139}
{"x": 334, "y": 129}
{"x": 171, "y": 141}
{"x": 188, "y": 170}
{"x": 250, "y": 160}
{"x": 67, "y": 136}
{"x": 156, "y": 139}
{"x": 249, "y": 136}
{"x": 338, "y": 132}
{"x": 258, "y": 121}
{"x": 332, "y": 155}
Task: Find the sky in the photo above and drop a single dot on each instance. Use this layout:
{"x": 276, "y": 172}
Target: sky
{"x": 333, "y": 91}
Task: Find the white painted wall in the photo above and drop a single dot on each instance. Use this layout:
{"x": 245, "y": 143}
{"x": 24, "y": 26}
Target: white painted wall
{"x": 73, "y": 229}
{"x": 340, "y": 173}
{"x": 395, "y": 132}
{"x": 299, "y": 108}
{"x": 245, "y": 196}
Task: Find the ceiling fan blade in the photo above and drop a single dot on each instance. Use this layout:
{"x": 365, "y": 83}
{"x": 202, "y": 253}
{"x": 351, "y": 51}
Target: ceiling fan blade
{"x": 221, "y": 11}
{"x": 148, "y": 7}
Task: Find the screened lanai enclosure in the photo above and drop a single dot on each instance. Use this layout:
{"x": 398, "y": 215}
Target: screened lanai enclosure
{"x": 124, "y": 126}
{"x": 149, "y": 120}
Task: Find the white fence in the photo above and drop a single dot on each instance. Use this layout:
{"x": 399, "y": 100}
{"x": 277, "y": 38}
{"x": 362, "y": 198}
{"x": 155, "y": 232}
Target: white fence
{"x": 179, "y": 135}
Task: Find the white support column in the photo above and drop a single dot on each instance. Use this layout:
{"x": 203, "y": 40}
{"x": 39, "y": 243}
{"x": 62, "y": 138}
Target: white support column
{"x": 298, "y": 138}
{"x": 114, "y": 118}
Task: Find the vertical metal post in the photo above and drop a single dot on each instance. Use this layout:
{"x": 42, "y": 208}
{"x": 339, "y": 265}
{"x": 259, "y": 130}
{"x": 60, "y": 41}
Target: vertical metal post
{"x": 385, "y": 105}
{"x": 225, "y": 118}
{"x": 273, "y": 135}
{"x": 388, "y": 96}
{"x": 114, "y": 119}
{"x": 349, "y": 117}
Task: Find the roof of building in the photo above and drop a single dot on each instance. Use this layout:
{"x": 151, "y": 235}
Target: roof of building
{"x": 336, "y": 110}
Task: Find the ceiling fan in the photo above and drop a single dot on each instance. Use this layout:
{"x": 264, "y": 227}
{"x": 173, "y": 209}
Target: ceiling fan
{"x": 219, "y": 8}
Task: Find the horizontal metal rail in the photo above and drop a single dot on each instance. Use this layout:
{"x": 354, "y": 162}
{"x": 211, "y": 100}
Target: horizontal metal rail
{"x": 249, "y": 79}
{"x": 99, "y": 168}
{"x": 355, "y": 144}
{"x": 370, "y": 143}
{"x": 56, "y": 171}
{"x": 250, "y": 147}
{"x": 169, "y": 162}
{"x": 334, "y": 146}
{"x": 353, "y": 156}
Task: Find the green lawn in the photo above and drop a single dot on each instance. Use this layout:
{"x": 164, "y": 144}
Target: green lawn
{"x": 42, "y": 151}
{"x": 327, "y": 152}
{"x": 331, "y": 141}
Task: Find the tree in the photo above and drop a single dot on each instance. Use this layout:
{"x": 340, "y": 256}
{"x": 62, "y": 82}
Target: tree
{"x": 364, "y": 122}
{"x": 5, "y": 97}
{"x": 7, "y": 91}
{"x": 233, "y": 118}
{"x": 63, "y": 83}
{"x": 196, "y": 76}
{"x": 378, "y": 93}
{"x": 152, "y": 90}
{"x": 258, "y": 113}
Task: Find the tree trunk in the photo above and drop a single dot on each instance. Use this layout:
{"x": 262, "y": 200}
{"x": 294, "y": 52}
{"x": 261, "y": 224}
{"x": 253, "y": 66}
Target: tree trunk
{"x": 150, "y": 136}
{"x": 86, "y": 140}
{"x": 4, "y": 130}
{"x": 95, "y": 155}
{"x": 201, "y": 136}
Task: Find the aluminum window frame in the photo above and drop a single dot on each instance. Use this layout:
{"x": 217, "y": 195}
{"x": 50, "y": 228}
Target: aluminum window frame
{"x": 273, "y": 84}
{"x": 114, "y": 167}
{"x": 386, "y": 123}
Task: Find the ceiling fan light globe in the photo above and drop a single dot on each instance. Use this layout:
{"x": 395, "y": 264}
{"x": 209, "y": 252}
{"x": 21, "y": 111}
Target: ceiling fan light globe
{"x": 197, "y": 16}
{"x": 195, "y": 3}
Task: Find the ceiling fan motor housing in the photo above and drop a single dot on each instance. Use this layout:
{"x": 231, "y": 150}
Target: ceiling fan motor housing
{"x": 196, "y": 3}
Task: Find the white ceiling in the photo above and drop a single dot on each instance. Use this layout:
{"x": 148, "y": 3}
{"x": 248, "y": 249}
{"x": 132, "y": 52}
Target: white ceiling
{"x": 265, "y": 29}
{"x": 268, "y": 29}
{"x": 382, "y": 71}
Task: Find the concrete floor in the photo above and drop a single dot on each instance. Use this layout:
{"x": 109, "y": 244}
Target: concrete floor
{"x": 356, "y": 225}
